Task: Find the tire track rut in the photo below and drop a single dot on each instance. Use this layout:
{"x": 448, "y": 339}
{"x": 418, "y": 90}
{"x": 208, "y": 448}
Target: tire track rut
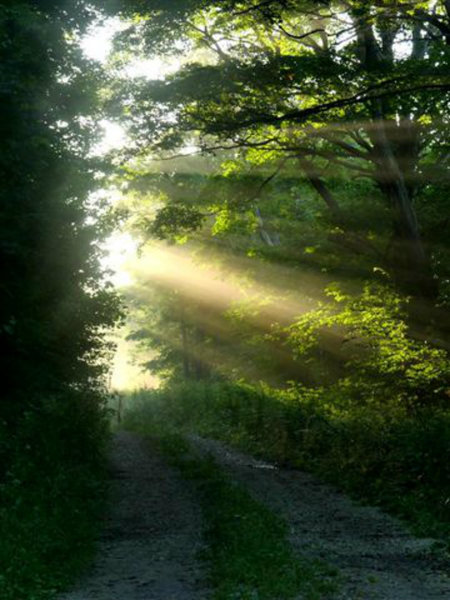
{"x": 151, "y": 535}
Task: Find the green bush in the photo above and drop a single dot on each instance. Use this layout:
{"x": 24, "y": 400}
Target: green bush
{"x": 382, "y": 364}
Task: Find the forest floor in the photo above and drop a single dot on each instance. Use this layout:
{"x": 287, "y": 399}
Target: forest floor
{"x": 152, "y": 535}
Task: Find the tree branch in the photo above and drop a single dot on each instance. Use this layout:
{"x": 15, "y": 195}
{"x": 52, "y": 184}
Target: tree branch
{"x": 302, "y": 36}
{"x": 300, "y": 115}
{"x": 211, "y": 42}
{"x": 258, "y": 6}
{"x": 357, "y": 137}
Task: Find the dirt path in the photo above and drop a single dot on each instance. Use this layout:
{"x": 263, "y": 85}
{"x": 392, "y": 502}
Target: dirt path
{"x": 377, "y": 557}
{"x": 151, "y": 536}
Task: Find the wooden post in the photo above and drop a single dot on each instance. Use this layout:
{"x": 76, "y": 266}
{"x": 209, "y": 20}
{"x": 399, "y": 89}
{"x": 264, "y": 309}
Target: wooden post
{"x": 119, "y": 407}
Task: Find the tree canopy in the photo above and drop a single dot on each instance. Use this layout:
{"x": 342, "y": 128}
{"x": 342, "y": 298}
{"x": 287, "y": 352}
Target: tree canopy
{"x": 326, "y": 89}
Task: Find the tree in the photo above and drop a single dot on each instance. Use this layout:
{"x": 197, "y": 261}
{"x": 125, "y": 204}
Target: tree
{"x": 348, "y": 87}
{"x": 55, "y": 303}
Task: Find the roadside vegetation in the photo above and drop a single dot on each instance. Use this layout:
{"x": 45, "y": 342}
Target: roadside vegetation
{"x": 52, "y": 497}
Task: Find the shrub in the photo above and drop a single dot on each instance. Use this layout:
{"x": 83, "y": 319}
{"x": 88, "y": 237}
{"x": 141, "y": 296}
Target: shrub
{"x": 51, "y": 495}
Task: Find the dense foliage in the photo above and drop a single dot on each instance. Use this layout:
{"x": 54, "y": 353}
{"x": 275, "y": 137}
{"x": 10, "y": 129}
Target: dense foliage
{"x": 55, "y": 304}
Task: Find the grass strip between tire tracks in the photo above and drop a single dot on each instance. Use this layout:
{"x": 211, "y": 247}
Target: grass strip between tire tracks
{"x": 248, "y": 554}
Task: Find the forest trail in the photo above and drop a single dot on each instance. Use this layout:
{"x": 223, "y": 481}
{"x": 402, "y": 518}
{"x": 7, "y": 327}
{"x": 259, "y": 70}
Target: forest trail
{"x": 378, "y": 558}
{"x": 152, "y": 534}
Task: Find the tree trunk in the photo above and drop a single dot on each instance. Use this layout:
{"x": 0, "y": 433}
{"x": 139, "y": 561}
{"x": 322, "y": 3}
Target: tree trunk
{"x": 320, "y": 187}
{"x": 409, "y": 259}
{"x": 410, "y": 262}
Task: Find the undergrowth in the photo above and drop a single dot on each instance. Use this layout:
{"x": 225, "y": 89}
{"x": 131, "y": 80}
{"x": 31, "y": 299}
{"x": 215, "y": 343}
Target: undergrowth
{"x": 248, "y": 553}
{"x": 381, "y": 456}
{"x": 51, "y": 495}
